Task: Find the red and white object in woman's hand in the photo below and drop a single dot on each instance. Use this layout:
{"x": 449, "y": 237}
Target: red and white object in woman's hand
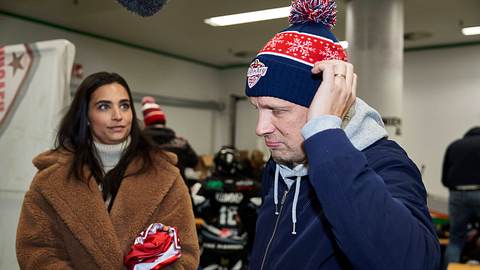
{"x": 154, "y": 248}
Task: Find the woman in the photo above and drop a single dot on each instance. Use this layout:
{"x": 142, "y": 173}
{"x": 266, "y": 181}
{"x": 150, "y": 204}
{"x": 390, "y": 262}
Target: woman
{"x": 100, "y": 186}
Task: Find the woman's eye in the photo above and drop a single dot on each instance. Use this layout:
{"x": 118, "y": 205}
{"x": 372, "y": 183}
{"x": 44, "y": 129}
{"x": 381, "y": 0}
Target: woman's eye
{"x": 103, "y": 107}
{"x": 125, "y": 106}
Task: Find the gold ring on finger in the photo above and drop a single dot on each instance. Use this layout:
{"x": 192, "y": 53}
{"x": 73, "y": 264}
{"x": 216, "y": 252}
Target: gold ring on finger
{"x": 340, "y": 75}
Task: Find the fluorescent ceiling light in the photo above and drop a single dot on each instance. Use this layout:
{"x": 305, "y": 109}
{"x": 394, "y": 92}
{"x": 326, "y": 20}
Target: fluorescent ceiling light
{"x": 254, "y": 16}
{"x": 469, "y": 31}
{"x": 344, "y": 44}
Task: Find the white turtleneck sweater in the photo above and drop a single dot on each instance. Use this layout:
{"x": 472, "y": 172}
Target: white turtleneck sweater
{"x": 109, "y": 155}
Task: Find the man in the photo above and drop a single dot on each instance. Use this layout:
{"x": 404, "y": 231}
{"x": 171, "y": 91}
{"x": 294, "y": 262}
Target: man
{"x": 461, "y": 175}
{"x": 336, "y": 193}
{"x": 156, "y": 130}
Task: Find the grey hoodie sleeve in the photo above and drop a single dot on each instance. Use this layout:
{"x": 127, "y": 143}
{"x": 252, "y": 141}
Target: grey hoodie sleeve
{"x": 319, "y": 124}
{"x": 363, "y": 125}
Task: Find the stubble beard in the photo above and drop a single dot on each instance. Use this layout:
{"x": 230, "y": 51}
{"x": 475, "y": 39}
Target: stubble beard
{"x": 288, "y": 160}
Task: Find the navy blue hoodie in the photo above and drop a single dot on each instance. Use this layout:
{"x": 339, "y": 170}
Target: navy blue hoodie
{"x": 356, "y": 210}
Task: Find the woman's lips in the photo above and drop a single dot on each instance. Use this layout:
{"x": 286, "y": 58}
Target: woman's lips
{"x": 117, "y": 128}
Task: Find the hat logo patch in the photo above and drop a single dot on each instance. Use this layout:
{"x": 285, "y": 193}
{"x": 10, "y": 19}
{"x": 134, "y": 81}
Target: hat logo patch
{"x": 255, "y": 72}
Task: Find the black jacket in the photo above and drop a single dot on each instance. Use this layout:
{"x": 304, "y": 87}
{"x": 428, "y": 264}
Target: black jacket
{"x": 169, "y": 141}
{"x": 461, "y": 165}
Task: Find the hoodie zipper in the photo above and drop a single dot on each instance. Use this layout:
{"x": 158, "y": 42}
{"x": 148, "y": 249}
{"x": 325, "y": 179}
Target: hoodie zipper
{"x": 274, "y": 228}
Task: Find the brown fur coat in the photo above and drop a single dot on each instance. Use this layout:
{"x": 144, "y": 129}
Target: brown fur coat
{"x": 64, "y": 223}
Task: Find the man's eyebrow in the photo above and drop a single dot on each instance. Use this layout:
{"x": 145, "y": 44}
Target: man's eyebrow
{"x": 270, "y": 106}
{"x": 273, "y": 107}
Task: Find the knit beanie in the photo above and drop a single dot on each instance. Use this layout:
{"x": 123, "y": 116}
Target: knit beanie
{"x": 282, "y": 68}
{"x": 152, "y": 113}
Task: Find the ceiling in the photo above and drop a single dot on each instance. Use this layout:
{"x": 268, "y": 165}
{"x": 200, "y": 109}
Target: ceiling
{"x": 178, "y": 29}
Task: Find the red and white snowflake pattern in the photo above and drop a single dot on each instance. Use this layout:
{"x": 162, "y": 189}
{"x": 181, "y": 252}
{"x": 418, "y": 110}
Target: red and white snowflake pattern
{"x": 305, "y": 48}
{"x": 275, "y": 41}
{"x": 330, "y": 53}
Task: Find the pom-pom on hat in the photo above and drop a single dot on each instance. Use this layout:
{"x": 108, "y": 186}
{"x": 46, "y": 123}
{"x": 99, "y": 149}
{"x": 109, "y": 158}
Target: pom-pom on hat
{"x": 143, "y": 8}
{"x": 152, "y": 113}
{"x": 282, "y": 68}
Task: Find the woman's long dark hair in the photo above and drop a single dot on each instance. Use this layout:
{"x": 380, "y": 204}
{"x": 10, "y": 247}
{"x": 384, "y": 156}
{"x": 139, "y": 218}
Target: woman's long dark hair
{"x": 75, "y": 136}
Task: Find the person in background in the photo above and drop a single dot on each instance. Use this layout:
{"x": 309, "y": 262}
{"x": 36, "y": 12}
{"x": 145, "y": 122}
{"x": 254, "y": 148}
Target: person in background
{"x": 461, "y": 175}
{"x": 227, "y": 203}
{"x": 157, "y": 131}
{"x": 337, "y": 194}
{"x": 100, "y": 186}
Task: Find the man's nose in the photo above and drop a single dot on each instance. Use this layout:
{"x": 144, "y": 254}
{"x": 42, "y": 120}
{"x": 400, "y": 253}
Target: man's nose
{"x": 264, "y": 124}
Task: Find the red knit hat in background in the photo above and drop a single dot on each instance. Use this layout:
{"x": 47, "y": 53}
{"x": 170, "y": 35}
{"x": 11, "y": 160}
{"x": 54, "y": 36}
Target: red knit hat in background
{"x": 152, "y": 114}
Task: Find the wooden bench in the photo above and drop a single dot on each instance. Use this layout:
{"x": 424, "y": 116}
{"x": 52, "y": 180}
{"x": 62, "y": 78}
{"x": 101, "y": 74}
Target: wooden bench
{"x": 459, "y": 266}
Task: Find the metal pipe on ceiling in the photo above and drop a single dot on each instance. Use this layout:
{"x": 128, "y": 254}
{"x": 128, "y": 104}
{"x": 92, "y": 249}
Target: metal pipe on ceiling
{"x": 174, "y": 101}
{"x": 182, "y": 102}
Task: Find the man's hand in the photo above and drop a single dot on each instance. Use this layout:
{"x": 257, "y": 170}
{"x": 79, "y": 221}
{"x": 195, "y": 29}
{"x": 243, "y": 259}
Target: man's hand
{"x": 337, "y": 92}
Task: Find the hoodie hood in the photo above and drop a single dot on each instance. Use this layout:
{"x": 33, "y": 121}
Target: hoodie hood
{"x": 363, "y": 125}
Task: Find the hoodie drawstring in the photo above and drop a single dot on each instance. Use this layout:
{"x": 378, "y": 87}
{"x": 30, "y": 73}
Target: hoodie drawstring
{"x": 275, "y": 189}
{"x": 298, "y": 174}
{"x": 294, "y": 205}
